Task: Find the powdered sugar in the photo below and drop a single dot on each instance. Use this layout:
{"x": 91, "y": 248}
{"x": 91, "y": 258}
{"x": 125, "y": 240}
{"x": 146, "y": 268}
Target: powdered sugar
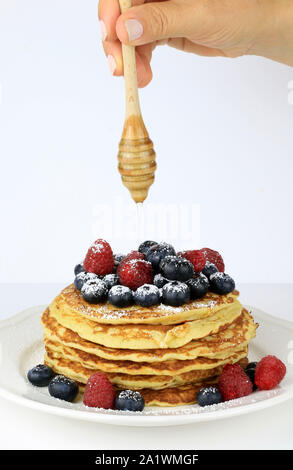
{"x": 119, "y": 290}
{"x": 137, "y": 262}
{"x": 149, "y": 287}
{"x": 210, "y": 304}
{"x": 87, "y": 276}
{"x": 94, "y": 286}
{"x": 186, "y": 410}
{"x": 98, "y": 245}
{"x": 176, "y": 287}
{"x": 166, "y": 310}
{"x": 217, "y": 275}
{"x": 169, "y": 308}
{"x": 135, "y": 396}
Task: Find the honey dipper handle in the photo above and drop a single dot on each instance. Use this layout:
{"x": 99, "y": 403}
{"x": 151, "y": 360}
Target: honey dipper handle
{"x": 130, "y": 75}
{"x": 136, "y": 155}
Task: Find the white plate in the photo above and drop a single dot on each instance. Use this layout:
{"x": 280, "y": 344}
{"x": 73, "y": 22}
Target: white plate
{"x": 21, "y": 348}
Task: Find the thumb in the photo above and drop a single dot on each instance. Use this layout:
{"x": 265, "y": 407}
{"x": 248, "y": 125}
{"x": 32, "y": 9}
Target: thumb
{"x": 154, "y": 21}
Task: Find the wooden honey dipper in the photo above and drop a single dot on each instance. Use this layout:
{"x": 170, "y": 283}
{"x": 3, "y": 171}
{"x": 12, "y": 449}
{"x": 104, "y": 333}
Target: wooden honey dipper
{"x": 136, "y": 155}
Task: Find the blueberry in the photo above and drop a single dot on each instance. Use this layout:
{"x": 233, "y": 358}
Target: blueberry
{"x": 79, "y": 269}
{"x": 160, "y": 280}
{"x": 221, "y": 283}
{"x": 40, "y": 375}
{"x": 83, "y": 277}
{"x": 117, "y": 260}
{"x": 145, "y": 246}
{"x": 158, "y": 252}
{"x": 209, "y": 269}
{"x": 127, "y": 400}
{"x": 250, "y": 372}
{"x": 79, "y": 280}
{"x": 208, "y": 396}
{"x": 161, "y": 294}
{"x": 118, "y": 257}
{"x": 63, "y": 388}
{"x": 176, "y": 268}
{"x": 175, "y": 293}
{"x": 120, "y": 296}
{"x": 94, "y": 291}
{"x": 111, "y": 280}
{"x": 198, "y": 285}
{"x": 147, "y": 295}
{"x": 251, "y": 375}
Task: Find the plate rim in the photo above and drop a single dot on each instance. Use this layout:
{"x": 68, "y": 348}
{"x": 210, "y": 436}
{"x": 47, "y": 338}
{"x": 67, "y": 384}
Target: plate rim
{"x": 138, "y": 420}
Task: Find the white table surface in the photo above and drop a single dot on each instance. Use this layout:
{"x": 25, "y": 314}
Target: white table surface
{"x": 23, "y": 428}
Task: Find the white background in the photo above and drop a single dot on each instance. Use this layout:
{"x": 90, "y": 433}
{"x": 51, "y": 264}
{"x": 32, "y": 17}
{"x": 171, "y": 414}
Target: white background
{"x": 223, "y": 134}
{"x": 222, "y": 130}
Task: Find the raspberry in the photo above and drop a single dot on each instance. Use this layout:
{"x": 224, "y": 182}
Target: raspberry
{"x": 214, "y": 257}
{"x": 135, "y": 273}
{"x": 99, "y": 392}
{"x": 234, "y": 383}
{"x": 196, "y": 257}
{"x": 99, "y": 258}
{"x": 269, "y": 372}
{"x": 132, "y": 255}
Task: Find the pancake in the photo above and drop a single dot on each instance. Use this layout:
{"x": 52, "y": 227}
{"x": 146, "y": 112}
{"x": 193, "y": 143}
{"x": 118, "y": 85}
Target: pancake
{"x": 174, "y": 396}
{"x": 167, "y": 353}
{"x": 182, "y": 395}
{"x": 70, "y": 300}
{"x": 171, "y": 367}
{"x": 145, "y": 336}
{"x": 81, "y": 372}
{"x": 218, "y": 346}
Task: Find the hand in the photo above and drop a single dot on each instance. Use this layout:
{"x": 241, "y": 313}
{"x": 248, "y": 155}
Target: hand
{"x": 228, "y": 28}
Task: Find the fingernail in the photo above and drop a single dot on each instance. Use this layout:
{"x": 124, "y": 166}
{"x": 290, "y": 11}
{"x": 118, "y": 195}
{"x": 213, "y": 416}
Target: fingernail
{"x": 103, "y": 30}
{"x": 134, "y": 29}
{"x": 112, "y": 64}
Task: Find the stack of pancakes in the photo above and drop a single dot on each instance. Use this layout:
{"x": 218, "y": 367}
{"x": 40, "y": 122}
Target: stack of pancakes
{"x": 167, "y": 353}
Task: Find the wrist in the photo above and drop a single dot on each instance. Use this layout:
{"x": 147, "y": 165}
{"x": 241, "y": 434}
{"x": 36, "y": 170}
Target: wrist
{"x": 275, "y": 37}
